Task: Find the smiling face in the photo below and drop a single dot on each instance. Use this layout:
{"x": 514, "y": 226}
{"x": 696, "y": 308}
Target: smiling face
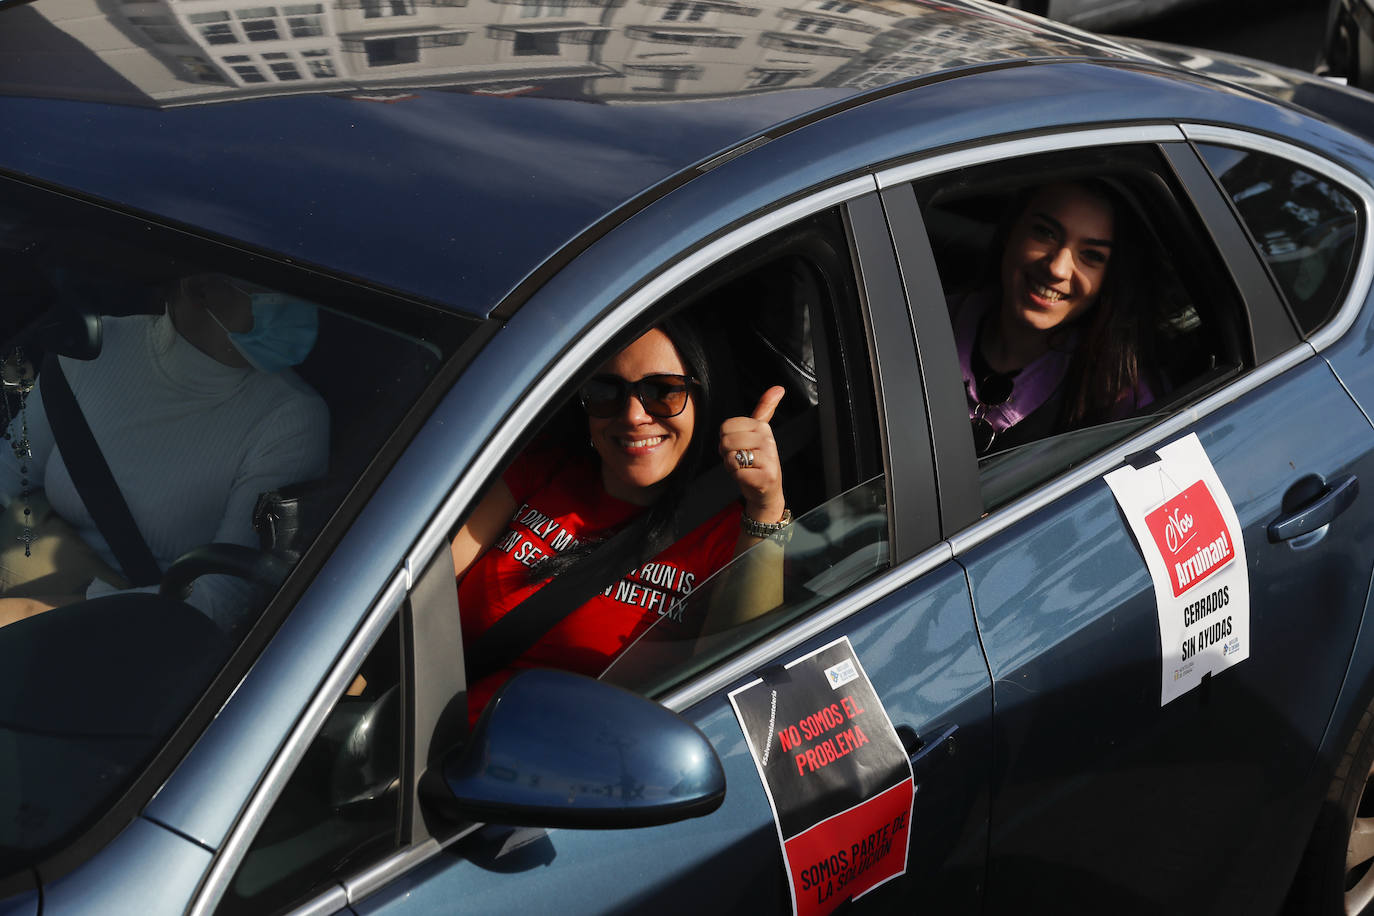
{"x": 638, "y": 451}
{"x": 1056, "y": 257}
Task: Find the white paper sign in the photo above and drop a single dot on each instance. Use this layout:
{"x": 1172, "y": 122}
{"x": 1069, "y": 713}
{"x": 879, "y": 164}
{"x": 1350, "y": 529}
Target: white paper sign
{"x": 1193, "y": 545}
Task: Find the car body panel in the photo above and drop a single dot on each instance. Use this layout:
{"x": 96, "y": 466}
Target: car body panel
{"x": 1349, "y": 107}
{"x": 920, "y": 650}
{"x": 1254, "y": 729}
{"x": 1110, "y": 14}
{"x": 119, "y": 882}
{"x": 1351, "y": 361}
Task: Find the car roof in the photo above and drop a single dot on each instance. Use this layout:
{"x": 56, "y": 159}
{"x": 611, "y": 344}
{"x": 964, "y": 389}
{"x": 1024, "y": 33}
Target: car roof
{"x": 448, "y": 158}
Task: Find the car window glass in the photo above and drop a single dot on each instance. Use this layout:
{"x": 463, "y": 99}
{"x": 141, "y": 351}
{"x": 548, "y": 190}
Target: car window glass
{"x": 341, "y": 809}
{"x": 1305, "y": 226}
{"x": 828, "y": 550}
{"x": 234, "y": 403}
{"x": 783, "y": 312}
{"x": 1086, "y": 302}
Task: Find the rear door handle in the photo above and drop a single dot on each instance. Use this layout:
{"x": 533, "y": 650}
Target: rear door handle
{"x": 1330, "y": 501}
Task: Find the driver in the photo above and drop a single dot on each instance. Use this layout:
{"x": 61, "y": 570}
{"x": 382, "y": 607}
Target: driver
{"x": 196, "y": 412}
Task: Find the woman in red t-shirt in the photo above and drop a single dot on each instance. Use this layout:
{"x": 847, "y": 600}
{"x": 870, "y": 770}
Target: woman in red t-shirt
{"x": 547, "y": 515}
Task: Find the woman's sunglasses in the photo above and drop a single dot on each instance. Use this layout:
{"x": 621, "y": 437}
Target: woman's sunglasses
{"x": 663, "y": 396}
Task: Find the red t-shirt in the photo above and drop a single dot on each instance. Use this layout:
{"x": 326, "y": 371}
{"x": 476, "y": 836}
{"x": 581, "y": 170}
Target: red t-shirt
{"x": 560, "y": 502}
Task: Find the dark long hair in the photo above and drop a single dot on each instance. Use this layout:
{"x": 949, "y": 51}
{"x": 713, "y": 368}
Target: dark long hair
{"x": 1110, "y": 354}
{"x": 594, "y": 565}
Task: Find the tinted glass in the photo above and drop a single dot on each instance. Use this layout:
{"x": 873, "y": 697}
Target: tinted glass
{"x": 827, "y": 552}
{"x": 1306, "y": 227}
{"x": 232, "y": 405}
{"x": 341, "y": 808}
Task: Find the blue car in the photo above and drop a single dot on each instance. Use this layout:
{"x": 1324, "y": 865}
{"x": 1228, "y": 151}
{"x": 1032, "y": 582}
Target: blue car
{"x": 316, "y": 274}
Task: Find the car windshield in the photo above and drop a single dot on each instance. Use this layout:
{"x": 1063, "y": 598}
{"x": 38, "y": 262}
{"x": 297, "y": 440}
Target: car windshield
{"x": 180, "y": 423}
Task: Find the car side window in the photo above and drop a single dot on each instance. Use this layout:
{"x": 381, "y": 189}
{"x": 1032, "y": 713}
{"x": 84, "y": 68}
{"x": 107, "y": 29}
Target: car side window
{"x": 1086, "y": 301}
{"x": 783, "y": 312}
{"x": 341, "y": 809}
{"x": 829, "y": 550}
{"x": 1305, "y": 226}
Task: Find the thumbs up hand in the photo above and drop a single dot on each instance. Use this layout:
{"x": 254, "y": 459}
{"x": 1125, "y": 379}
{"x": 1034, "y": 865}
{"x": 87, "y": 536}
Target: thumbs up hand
{"x": 750, "y": 454}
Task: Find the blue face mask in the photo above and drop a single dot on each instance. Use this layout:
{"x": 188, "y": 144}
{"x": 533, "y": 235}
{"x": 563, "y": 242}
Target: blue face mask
{"x": 284, "y": 331}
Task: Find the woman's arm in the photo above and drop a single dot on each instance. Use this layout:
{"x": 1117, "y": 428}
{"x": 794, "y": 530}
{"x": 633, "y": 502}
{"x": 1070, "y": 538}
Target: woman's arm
{"x": 483, "y": 526}
{"x": 15, "y": 609}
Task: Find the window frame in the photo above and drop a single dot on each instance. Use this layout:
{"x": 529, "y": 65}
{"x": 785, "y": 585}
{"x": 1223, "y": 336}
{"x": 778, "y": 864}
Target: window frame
{"x": 1217, "y": 263}
{"x": 1277, "y": 344}
{"x": 897, "y": 405}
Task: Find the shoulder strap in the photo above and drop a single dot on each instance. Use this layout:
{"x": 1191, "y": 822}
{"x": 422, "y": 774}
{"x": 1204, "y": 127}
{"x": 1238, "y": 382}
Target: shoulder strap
{"x": 92, "y": 478}
{"x": 525, "y": 624}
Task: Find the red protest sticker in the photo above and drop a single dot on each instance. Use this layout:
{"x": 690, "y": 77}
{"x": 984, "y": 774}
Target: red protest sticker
{"x": 1192, "y": 537}
{"x": 837, "y": 777}
{"x": 852, "y": 852}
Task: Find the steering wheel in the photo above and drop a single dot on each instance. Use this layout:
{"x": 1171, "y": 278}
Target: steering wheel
{"x": 222, "y": 560}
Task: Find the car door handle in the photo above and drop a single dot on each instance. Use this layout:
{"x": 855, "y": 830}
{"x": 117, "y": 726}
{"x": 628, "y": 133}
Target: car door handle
{"x": 925, "y": 755}
{"x": 1330, "y": 501}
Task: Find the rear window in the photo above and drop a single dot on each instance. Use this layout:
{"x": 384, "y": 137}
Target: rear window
{"x": 1305, "y": 226}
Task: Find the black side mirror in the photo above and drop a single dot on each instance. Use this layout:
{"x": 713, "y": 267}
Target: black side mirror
{"x": 554, "y": 749}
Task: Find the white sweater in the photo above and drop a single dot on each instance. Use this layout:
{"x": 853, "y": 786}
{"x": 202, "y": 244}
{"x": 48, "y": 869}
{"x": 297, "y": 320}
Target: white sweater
{"x": 190, "y": 441}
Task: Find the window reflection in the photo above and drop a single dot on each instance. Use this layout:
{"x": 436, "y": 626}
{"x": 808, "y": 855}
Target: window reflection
{"x": 595, "y": 49}
{"x": 829, "y": 550}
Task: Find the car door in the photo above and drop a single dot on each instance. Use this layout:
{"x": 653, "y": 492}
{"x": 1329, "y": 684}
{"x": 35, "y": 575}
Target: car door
{"x": 865, "y": 562}
{"x": 1101, "y": 792}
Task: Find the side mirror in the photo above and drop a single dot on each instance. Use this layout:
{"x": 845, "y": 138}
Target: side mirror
{"x": 554, "y": 749}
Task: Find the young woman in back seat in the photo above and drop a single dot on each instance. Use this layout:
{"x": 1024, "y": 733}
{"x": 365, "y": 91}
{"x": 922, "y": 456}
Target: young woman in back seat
{"x": 1058, "y": 341}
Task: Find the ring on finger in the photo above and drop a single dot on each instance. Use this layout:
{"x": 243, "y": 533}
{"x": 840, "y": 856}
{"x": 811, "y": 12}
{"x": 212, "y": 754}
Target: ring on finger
{"x": 744, "y": 458}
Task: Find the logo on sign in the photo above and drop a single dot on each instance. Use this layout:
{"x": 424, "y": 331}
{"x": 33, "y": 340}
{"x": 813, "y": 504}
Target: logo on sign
{"x": 841, "y": 674}
{"x": 1192, "y": 537}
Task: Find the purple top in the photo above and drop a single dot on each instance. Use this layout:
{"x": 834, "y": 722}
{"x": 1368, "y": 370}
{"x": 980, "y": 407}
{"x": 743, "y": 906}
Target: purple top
{"x": 1035, "y": 383}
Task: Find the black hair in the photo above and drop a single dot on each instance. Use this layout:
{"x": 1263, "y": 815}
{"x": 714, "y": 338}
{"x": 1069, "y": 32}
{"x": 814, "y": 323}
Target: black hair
{"x": 596, "y": 564}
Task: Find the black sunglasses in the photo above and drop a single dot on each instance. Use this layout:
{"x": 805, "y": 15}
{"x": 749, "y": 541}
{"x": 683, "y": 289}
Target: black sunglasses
{"x": 993, "y": 391}
{"x": 663, "y": 396}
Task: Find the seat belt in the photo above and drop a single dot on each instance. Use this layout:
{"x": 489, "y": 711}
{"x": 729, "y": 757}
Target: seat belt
{"x": 516, "y": 631}
{"x": 92, "y": 478}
